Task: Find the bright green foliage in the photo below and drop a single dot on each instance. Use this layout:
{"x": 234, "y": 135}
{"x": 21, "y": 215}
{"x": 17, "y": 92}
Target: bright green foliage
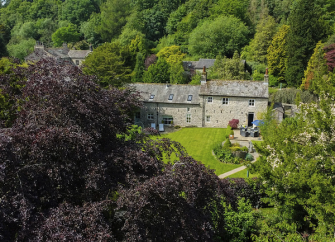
{"x": 228, "y": 69}
{"x": 240, "y": 223}
{"x": 109, "y": 63}
{"x": 158, "y": 72}
{"x": 139, "y": 68}
{"x": 222, "y": 36}
{"x": 26, "y": 31}
{"x": 114, "y": 15}
{"x": 171, "y": 54}
{"x": 41, "y": 9}
{"x": 277, "y": 54}
{"x": 297, "y": 166}
{"x": 177, "y": 73}
{"x": 21, "y": 49}
{"x": 77, "y": 11}
{"x": 257, "y": 49}
{"x": 316, "y": 69}
{"x": 67, "y": 34}
{"x": 45, "y": 29}
{"x": 128, "y": 35}
{"x": 290, "y": 95}
{"x": 306, "y": 29}
{"x": 235, "y": 8}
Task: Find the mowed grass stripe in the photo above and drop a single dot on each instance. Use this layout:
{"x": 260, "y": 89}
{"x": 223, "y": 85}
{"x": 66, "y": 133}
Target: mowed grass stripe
{"x": 199, "y": 143}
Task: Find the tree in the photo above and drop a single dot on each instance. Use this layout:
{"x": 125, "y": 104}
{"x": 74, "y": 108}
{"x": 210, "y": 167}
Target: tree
{"x": 158, "y": 72}
{"x": 114, "y": 15}
{"x": 77, "y": 11}
{"x": 306, "y": 29}
{"x": 330, "y": 56}
{"x": 228, "y": 7}
{"x": 171, "y": 54}
{"x": 90, "y": 29}
{"x": 139, "y": 68}
{"x": 277, "y": 54}
{"x": 297, "y": 167}
{"x": 109, "y": 63}
{"x": 67, "y": 34}
{"x": 257, "y": 49}
{"x": 21, "y": 49}
{"x": 222, "y": 36}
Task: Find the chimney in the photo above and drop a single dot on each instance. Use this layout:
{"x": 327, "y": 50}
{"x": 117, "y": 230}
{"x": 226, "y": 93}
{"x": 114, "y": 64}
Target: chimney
{"x": 65, "y": 48}
{"x": 203, "y": 78}
{"x": 39, "y": 45}
{"x": 266, "y": 76}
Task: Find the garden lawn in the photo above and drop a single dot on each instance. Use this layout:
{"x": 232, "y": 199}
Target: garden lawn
{"x": 199, "y": 143}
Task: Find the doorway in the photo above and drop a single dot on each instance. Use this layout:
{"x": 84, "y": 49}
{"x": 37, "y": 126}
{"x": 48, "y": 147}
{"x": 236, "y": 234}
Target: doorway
{"x": 250, "y": 119}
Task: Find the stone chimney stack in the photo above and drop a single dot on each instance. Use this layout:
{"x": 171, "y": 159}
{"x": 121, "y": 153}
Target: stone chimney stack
{"x": 65, "y": 49}
{"x": 266, "y": 76}
{"x": 39, "y": 45}
{"x": 203, "y": 79}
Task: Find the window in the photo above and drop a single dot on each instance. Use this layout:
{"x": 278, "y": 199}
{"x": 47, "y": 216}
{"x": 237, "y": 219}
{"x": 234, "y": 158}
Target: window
{"x": 151, "y": 97}
{"x": 188, "y": 109}
{"x": 225, "y": 101}
{"x": 150, "y": 116}
{"x": 171, "y": 97}
{"x": 251, "y": 102}
{"x": 77, "y": 62}
{"x": 167, "y": 120}
{"x": 210, "y": 99}
{"x": 188, "y": 118}
{"x": 189, "y": 98}
{"x": 208, "y": 119}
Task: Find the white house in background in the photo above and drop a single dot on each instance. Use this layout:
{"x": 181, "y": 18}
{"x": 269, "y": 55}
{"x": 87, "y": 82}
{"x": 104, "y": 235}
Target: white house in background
{"x": 212, "y": 104}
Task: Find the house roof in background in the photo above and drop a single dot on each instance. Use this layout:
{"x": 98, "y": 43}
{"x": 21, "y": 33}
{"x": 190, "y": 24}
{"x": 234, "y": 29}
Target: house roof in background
{"x": 204, "y": 62}
{"x": 255, "y": 89}
{"x": 163, "y": 91}
{"x": 78, "y": 54}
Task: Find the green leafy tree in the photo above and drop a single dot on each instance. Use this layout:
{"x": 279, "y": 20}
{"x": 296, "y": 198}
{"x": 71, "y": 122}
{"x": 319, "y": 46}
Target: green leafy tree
{"x": 237, "y": 8}
{"x": 171, "y": 54}
{"x": 228, "y": 69}
{"x": 90, "y": 29}
{"x": 277, "y": 54}
{"x": 257, "y": 49}
{"x": 109, "y": 63}
{"x": 306, "y": 29}
{"x": 297, "y": 165}
{"x": 44, "y": 9}
{"x": 22, "y": 48}
{"x": 177, "y": 73}
{"x": 45, "y": 29}
{"x": 158, "y": 72}
{"x": 67, "y": 34}
{"x": 114, "y": 15}
{"x": 139, "y": 68}
{"x": 77, "y": 11}
{"x": 222, "y": 36}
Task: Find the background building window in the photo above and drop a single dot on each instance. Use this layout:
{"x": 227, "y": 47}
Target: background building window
{"x": 252, "y": 102}
{"x": 150, "y": 116}
{"x": 189, "y": 98}
{"x": 77, "y": 62}
{"x": 210, "y": 99}
{"x": 167, "y": 120}
{"x": 208, "y": 119}
{"x": 188, "y": 118}
{"x": 171, "y": 97}
{"x": 225, "y": 101}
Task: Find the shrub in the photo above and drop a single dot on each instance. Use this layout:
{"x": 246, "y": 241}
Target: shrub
{"x": 233, "y": 123}
{"x": 249, "y": 157}
{"x": 227, "y": 144}
{"x": 177, "y": 127}
{"x": 244, "y": 148}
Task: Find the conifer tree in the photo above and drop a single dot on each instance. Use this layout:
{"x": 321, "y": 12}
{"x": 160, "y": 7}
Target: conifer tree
{"x": 139, "y": 68}
{"x": 306, "y": 29}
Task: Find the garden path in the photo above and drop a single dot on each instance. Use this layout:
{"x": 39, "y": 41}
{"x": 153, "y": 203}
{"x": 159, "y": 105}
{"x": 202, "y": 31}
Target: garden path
{"x": 244, "y": 141}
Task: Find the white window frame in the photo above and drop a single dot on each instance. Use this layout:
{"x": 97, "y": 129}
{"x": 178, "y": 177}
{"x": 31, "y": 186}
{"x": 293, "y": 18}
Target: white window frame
{"x": 188, "y": 118}
{"x": 225, "y": 101}
{"x": 251, "y": 102}
{"x": 150, "y": 116}
{"x": 210, "y": 99}
{"x": 208, "y": 119}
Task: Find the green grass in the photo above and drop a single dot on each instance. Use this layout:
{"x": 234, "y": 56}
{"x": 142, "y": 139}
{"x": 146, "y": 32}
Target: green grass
{"x": 242, "y": 174}
{"x": 199, "y": 143}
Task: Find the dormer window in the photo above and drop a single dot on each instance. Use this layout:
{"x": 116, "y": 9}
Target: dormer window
{"x": 171, "y": 97}
{"x": 152, "y": 97}
{"x": 189, "y": 98}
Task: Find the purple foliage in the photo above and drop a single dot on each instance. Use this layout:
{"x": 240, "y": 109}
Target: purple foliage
{"x": 330, "y": 56}
{"x": 233, "y": 123}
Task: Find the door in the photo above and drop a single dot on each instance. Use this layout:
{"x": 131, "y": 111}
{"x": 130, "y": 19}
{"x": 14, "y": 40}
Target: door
{"x": 250, "y": 119}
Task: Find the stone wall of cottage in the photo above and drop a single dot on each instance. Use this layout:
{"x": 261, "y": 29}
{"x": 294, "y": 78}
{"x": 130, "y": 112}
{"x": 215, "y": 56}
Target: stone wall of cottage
{"x": 237, "y": 108}
{"x": 155, "y": 112}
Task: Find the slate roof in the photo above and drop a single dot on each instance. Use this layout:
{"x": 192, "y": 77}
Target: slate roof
{"x": 256, "y": 89}
{"x": 58, "y": 52}
{"x": 78, "y": 54}
{"x": 204, "y": 62}
{"x": 163, "y": 91}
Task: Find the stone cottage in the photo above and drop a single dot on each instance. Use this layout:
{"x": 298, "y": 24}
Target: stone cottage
{"x": 63, "y": 54}
{"x": 212, "y": 104}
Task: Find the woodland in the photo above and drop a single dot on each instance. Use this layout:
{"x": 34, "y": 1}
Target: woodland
{"x": 74, "y": 168}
